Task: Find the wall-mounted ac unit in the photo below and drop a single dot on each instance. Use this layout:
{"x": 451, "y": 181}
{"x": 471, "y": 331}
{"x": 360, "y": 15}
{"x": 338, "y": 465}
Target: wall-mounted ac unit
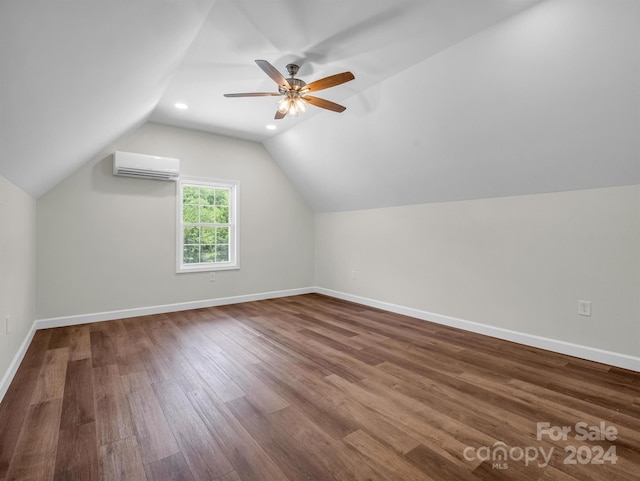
{"x": 145, "y": 166}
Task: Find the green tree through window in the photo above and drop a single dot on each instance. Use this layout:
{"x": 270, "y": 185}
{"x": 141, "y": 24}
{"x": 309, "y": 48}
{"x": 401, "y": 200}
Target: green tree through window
{"x": 207, "y": 226}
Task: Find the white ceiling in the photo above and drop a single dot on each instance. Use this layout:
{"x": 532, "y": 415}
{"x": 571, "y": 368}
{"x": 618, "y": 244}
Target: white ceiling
{"x": 375, "y": 39}
{"x": 546, "y": 101}
{"x": 453, "y": 99}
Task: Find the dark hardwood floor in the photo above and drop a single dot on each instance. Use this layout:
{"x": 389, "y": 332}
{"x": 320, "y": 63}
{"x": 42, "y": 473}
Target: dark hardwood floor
{"x": 310, "y": 388}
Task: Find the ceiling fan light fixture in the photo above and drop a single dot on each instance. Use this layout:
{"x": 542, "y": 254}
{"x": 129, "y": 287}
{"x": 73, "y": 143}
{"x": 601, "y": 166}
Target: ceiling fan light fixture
{"x": 300, "y": 104}
{"x": 283, "y": 105}
{"x": 292, "y": 103}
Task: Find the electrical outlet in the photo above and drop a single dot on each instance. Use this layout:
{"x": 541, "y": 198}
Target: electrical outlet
{"x": 584, "y": 308}
{"x": 212, "y": 277}
{"x": 354, "y": 275}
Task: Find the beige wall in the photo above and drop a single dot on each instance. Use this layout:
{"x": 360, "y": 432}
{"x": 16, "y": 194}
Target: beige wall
{"x": 108, "y": 243}
{"x": 17, "y": 269}
{"x": 518, "y": 263}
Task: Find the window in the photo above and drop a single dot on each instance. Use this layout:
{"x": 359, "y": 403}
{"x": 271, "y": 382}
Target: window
{"x": 207, "y": 225}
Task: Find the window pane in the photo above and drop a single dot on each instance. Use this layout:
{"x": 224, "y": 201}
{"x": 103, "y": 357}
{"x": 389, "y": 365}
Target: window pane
{"x": 222, "y": 235}
{"x": 191, "y": 254}
{"x": 190, "y": 214}
{"x": 222, "y": 197}
{"x": 191, "y": 235}
{"x": 208, "y": 235}
{"x": 206, "y": 214}
{"x": 222, "y": 215}
{"x": 190, "y": 195}
{"x": 222, "y": 253}
{"x": 206, "y": 196}
{"x": 208, "y": 253}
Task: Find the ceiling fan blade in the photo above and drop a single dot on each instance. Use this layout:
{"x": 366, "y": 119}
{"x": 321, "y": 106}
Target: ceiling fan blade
{"x": 272, "y": 72}
{"x": 327, "y": 82}
{"x": 324, "y": 104}
{"x": 279, "y": 115}
{"x": 254, "y": 94}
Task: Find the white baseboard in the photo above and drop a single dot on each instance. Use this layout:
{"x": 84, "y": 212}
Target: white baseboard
{"x": 576, "y": 350}
{"x": 15, "y": 364}
{"x": 583, "y": 352}
{"x": 181, "y": 306}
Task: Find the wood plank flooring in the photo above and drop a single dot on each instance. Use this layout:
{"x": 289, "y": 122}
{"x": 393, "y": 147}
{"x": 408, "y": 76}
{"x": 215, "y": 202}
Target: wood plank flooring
{"x": 309, "y": 388}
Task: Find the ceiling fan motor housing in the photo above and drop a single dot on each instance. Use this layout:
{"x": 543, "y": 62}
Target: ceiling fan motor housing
{"x": 296, "y": 84}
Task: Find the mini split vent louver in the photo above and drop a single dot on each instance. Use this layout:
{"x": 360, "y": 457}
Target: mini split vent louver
{"x": 143, "y": 166}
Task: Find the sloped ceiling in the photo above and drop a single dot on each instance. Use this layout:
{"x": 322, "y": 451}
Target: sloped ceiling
{"x": 453, "y": 99}
{"x": 547, "y": 101}
{"x": 76, "y": 75}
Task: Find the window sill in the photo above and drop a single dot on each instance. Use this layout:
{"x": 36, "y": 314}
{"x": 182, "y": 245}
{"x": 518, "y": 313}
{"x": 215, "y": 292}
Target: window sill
{"x": 207, "y": 268}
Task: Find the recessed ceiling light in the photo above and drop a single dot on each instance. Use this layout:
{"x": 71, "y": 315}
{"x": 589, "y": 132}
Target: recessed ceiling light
{"x": 271, "y": 127}
{"x": 181, "y": 106}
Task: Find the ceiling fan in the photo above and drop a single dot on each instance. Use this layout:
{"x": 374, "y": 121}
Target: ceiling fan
{"x": 294, "y": 91}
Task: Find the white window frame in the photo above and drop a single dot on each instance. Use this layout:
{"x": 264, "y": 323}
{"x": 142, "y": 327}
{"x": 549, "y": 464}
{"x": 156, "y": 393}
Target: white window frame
{"x": 234, "y": 231}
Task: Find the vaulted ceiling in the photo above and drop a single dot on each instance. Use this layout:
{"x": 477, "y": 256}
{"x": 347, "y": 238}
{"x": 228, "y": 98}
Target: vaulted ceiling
{"x": 453, "y": 99}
